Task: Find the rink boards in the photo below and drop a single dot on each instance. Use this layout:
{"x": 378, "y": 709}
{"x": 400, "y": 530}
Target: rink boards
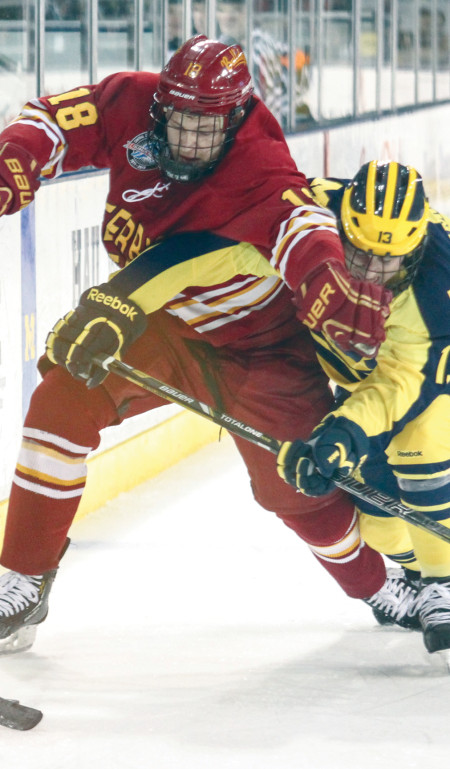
{"x": 51, "y": 252}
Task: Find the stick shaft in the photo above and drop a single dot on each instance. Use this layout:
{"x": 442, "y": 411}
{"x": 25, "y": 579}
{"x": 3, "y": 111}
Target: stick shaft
{"x": 384, "y": 502}
{"x": 169, "y": 393}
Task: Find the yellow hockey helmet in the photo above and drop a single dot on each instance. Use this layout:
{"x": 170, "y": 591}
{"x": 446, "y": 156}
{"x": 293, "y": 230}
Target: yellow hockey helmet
{"x": 385, "y": 213}
{"x": 384, "y": 209}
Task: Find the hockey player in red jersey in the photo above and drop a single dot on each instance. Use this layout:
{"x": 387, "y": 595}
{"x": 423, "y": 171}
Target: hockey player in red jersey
{"x": 223, "y": 253}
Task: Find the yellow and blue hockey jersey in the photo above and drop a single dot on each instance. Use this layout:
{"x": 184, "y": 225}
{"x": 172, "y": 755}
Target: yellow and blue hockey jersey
{"x": 402, "y": 400}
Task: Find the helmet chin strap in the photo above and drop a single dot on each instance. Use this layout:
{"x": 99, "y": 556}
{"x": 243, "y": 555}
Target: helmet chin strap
{"x": 180, "y": 171}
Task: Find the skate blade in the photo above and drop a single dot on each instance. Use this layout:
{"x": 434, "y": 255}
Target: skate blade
{"x": 440, "y": 661}
{"x": 19, "y": 641}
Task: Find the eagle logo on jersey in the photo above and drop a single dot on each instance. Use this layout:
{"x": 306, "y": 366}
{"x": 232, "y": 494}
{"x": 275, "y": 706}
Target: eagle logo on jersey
{"x": 139, "y": 153}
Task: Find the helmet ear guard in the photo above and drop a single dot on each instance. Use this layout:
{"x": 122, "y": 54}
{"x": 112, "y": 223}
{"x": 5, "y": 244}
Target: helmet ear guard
{"x": 385, "y": 213}
{"x": 203, "y": 78}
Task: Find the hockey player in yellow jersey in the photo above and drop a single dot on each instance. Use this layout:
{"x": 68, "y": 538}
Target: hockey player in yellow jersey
{"x": 391, "y": 424}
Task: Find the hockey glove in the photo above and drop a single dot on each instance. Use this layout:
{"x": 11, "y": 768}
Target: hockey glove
{"x": 350, "y": 312}
{"x": 103, "y": 322}
{"x": 19, "y": 178}
{"x": 335, "y": 444}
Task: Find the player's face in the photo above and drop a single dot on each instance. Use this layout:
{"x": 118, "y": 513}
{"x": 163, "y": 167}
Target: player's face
{"x": 195, "y": 138}
{"x": 370, "y": 267}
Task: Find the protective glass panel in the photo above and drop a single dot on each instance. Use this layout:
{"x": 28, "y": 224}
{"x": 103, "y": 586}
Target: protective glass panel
{"x": 66, "y": 45}
{"x": 427, "y": 32}
{"x": 116, "y": 36}
{"x": 405, "y": 58}
{"x": 174, "y": 27}
{"x": 199, "y": 17}
{"x": 153, "y": 54}
{"x": 259, "y": 27}
{"x": 387, "y": 58}
{"x": 443, "y": 50}
{"x": 17, "y": 56}
{"x": 368, "y": 48}
{"x": 304, "y": 84}
{"x": 336, "y": 31}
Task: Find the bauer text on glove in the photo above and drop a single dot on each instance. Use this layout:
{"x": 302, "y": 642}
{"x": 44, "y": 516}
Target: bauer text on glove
{"x": 19, "y": 178}
{"x": 350, "y": 312}
{"x": 103, "y": 322}
{"x": 336, "y": 444}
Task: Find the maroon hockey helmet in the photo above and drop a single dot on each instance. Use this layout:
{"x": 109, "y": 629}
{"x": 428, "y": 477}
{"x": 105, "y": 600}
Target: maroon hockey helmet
{"x": 203, "y": 78}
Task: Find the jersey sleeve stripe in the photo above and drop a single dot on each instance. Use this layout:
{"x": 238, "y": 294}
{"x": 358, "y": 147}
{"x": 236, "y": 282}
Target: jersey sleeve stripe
{"x": 302, "y": 222}
{"x": 197, "y": 315}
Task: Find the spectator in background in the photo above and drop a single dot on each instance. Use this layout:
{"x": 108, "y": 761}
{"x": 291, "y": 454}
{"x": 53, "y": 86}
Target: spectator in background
{"x": 426, "y": 42}
{"x": 302, "y": 84}
{"x": 174, "y": 26}
{"x": 442, "y": 29}
{"x": 199, "y": 20}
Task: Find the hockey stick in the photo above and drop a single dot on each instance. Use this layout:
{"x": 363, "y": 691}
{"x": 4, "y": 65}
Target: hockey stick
{"x": 383, "y": 501}
{"x": 17, "y": 716}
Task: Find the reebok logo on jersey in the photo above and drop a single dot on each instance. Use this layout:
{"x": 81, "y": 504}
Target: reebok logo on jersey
{"x": 129, "y": 310}
{"x": 409, "y": 453}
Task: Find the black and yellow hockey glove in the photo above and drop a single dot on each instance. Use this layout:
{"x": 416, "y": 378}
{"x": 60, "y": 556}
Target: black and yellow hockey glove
{"x": 103, "y": 322}
{"x": 336, "y": 443}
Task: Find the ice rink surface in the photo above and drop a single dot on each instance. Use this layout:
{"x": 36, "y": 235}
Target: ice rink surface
{"x": 189, "y": 629}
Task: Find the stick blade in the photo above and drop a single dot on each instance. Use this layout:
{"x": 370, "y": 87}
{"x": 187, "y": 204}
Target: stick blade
{"x": 17, "y": 716}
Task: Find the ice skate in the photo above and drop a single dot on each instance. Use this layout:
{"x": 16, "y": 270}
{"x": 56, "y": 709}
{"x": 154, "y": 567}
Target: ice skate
{"x": 396, "y": 601}
{"x": 23, "y": 605}
{"x": 434, "y": 613}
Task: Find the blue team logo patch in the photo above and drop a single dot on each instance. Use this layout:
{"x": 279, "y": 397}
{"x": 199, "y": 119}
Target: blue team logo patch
{"x": 139, "y": 154}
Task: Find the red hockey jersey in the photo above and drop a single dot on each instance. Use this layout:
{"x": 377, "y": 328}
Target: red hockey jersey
{"x": 256, "y": 196}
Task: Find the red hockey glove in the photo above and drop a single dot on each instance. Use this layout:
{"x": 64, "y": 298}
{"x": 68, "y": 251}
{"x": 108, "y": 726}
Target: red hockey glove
{"x": 19, "y": 178}
{"x": 350, "y": 312}
{"x": 103, "y": 322}
{"x": 336, "y": 443}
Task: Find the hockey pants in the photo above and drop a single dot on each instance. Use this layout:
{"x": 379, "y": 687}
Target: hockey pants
{"x": 279, "y": 389}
